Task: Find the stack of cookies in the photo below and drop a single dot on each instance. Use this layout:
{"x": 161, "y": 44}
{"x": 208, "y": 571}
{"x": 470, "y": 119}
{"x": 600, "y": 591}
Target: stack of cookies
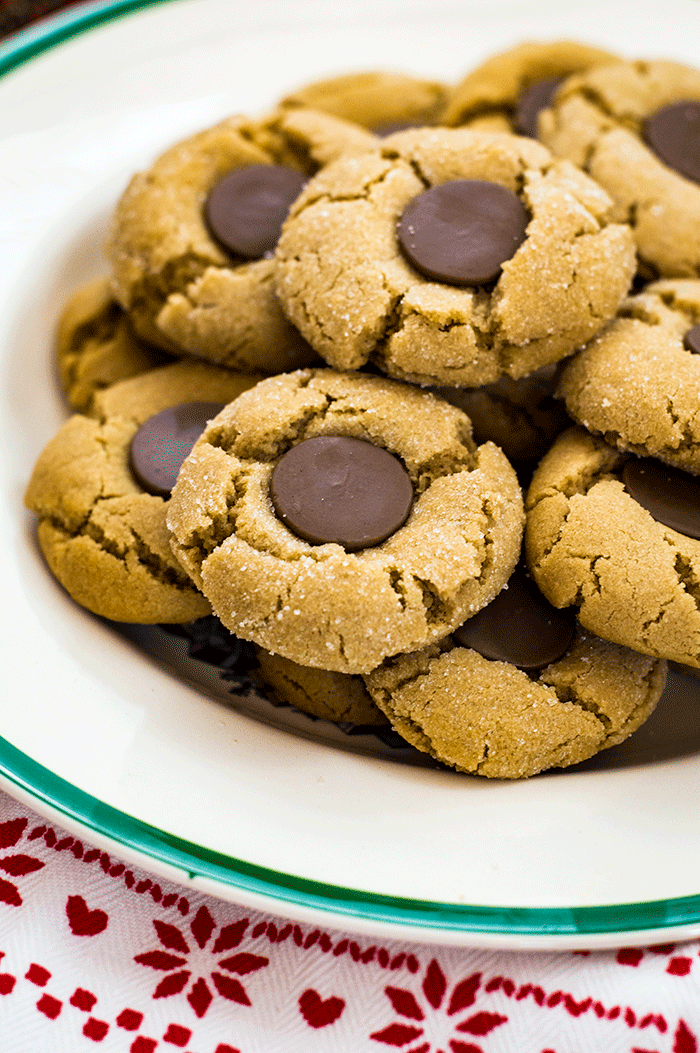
{"x": 397, "y": 385}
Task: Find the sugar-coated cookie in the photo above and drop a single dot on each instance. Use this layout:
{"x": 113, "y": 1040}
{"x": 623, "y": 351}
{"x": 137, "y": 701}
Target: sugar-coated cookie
{"x": 635, "y": 128}
{"x": 522, "y": 416}
{"x": 101, "y": 530}
{"x": 339, "y": 697}
{"x": 187, "y": 290}
{"x": 386, "y": 257}
{"x": 488, "y": 717}
{"x": 317, "y": 490}
{"x": 638, "y": 382}
{"x": 96, "y": 345}
{"x": 618, "y": 538}
{"x": 508, "y": 90}
{"x": 379, "y": 100}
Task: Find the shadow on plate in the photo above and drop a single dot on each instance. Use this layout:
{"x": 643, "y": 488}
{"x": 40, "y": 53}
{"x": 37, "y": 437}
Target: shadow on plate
{"x": 672, "y": 731}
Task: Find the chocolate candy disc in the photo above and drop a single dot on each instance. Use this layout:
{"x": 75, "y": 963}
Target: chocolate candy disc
{"x": 337, "y": 489}
{"x": 691, "y": 340}
{"x": 519, "y": 626}
{"x": 462, "y": 232}
{"x": 670, "y": 495}
{"x": 535, "y": 98}
{"x": 673, "y": 133}
{"x": 163, "y": 441}
{"x": 246, "y": 209}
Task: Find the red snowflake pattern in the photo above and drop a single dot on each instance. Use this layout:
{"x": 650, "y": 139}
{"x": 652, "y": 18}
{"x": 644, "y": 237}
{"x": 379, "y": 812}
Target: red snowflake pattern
{"x": 15, "y": 865}
{"x": 433, "y": 1029}
{"x": 181, "y": 962}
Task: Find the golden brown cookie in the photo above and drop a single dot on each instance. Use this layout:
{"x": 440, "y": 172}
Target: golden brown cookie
{"x": 345, "y": 280}
{"x": 604, "y": 121}
{"x": 103, "y": 535}
{"x": 491, "y": 718}
{"x": 378, "y": 100}
{"x": 304, "y": 599}
{"x": 96, "y": 345}
{"x": 184, "y": 291}
{"x": 633, "y": 578}
{"x": 339, "y": 697}
{"x": 499, "y": 95}
{"x": 638, "y": 382}
{"x": 523, "y": 416}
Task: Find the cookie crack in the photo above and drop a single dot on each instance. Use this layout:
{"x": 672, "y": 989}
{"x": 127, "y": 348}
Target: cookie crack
{"x": 438, "y": 611}
{"x": 325, "y": 197}
{"x": 137, "y": 547}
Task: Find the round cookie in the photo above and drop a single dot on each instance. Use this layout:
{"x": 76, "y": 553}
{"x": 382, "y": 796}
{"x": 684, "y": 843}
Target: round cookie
{"x": 183, "y": 289}
{"x": 344, "y": 280}
{"x": 506, "y": 92}
{"x": 491, "y": 718}
{"x": 96, "y": 345}
{"x": 638, "y": 382}
{"x": 591, "y": 544}
{"x": 305, "y": 600}
{"x": 382, "y": 101}
{"x": 338, "y": 697}
{"x": 523, "y": 416}
{"x": 600, "y": 120}
{"x": 103, "y": 536}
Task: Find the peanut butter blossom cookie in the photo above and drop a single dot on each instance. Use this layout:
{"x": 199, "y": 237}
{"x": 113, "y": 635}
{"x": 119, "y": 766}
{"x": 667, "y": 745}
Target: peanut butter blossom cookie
{"x": 318, "y": 489}
{"x": 381, "y": 101}
{"x": 96, "y": 345}
{"x": 192, "y": 238}
{"x": 618, "y": 538}
{"x": 338, "y": 697}
{"x": 635, "y": 127}
{"x": 451, "y": 257}
{"x": 638, "y": 382}
{"x": 517, "y": 689}
{"x": 522, "y": 416}
{"x": 508, "y": 91}
{"x": 100, "y": 489}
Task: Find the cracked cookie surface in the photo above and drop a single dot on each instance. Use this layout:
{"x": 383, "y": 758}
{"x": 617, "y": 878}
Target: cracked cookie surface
{"x": 103, "y": 537}
{"x": 589, "y": 544}
{"x": 305, "y": 601}
{"x": 636, "y": 383}
{"x": 596, "y": 120}
{"x": 339, "y": 697}
{"x": 343, "y": 280}
{"x": 487, "y": 97}
{"x": 183, "y": 291}
{"x": 490, "y": 718}
{"x": 96, "y": 345}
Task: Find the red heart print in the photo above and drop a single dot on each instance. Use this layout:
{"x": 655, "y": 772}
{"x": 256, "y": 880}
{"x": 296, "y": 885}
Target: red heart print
{"x": 316, "y": 1011}
{"x": 82, "y": 920}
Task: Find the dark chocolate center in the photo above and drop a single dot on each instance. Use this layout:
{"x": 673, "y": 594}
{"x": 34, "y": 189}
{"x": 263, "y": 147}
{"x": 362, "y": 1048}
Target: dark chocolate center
{"x": 164, "y": 441}
{"x": 519, "y": 626}
{"x": 671, "y": 496}
{"x": 691, "y": 340}
{"x": 534, "y": 99}
{"x": 673, "y": 133}
{"x": 334, "y": 488}
{"x": 462, "y": 232}
{"x": 246, "y": 209}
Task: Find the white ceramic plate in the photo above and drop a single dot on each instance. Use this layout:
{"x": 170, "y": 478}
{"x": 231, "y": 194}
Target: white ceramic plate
{"x": 245, "y": 801}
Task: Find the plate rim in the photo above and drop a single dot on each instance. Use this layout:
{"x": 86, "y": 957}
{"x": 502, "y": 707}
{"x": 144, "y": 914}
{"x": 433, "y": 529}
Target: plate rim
{"x": 563, "y": 926}
{"x": 436, "y": 922}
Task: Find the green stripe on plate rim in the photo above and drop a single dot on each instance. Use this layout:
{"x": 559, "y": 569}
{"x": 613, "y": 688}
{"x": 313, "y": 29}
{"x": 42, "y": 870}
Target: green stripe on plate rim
{"x": 43, "y": 786}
